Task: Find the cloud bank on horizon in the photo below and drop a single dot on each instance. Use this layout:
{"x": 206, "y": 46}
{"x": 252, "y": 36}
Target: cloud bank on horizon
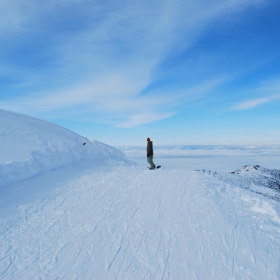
{"x": 222, "y": 157}
{"x": 131, "y": 63}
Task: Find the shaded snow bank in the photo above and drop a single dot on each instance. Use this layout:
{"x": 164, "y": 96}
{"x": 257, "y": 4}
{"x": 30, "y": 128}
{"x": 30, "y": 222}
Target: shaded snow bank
{"x": 30, "y": 145}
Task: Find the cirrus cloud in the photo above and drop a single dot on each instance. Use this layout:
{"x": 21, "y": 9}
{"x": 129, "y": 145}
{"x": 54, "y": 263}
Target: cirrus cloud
{"x": 97, "y": 57}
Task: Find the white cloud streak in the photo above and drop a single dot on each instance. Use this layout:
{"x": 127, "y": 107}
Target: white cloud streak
{"x": 140, "y": 119}
{"x": 104, "y": 65}
{"x": 251, "y": 104}
{"x": 269, "y": 89}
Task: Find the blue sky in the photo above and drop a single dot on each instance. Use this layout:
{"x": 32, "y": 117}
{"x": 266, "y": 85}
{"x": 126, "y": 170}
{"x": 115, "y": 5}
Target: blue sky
{"x": 179, "y": 72}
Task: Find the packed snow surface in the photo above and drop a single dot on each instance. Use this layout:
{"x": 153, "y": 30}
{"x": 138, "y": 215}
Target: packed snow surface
{"x": 30, "y": 145}
{"x": 82, "y": 220}
{"x": 129, "y": 223}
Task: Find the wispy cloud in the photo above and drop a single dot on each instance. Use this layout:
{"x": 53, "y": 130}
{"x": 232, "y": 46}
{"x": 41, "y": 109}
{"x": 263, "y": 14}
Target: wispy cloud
{"x": 98, "y": 57}
{"x": 251, "y": 104}
{"x": 140, "y": 119}
{"x": 113, "y": 99}
{"x": 269, "y": 89}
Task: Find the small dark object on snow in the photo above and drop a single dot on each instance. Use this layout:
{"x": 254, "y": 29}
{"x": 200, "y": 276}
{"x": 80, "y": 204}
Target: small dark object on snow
{"x": 84, "y": 143}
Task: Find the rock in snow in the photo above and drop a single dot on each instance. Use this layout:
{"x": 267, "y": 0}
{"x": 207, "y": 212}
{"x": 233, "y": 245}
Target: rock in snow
{"x": 30, "y": 145}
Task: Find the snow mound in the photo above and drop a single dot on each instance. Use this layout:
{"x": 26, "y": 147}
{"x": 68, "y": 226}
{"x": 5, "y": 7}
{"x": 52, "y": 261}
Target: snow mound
{"x": 253, "y": 177}
{"x": 30, "y": 145}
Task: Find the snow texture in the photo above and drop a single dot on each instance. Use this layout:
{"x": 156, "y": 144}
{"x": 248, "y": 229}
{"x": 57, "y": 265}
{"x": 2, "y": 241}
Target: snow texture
{"x": 30, "y": 145}
{"x": 255, "y": 178}
{"x": 84, "y": 221}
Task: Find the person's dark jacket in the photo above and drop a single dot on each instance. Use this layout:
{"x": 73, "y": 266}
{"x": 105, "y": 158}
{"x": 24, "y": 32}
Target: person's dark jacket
{"x": 150, "y": 151}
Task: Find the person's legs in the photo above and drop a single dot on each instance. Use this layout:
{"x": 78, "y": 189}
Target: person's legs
{"x": 150, "y": 161}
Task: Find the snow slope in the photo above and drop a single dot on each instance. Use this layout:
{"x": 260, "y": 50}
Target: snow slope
{"x": 130, "y": 223}
{"x": 94, "y": 221}
{"x": 30, "y": 145}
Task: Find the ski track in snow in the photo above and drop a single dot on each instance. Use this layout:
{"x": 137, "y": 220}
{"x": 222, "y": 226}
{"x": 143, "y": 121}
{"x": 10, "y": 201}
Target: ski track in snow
{"x": 130, "y": 223}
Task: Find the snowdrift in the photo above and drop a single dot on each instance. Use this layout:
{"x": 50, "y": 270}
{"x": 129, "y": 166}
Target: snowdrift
{"x": 30, "y": 145}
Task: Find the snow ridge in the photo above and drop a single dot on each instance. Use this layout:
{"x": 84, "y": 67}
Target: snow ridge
{"x": 258, "y": 179}
{"x": 30, "y": 145}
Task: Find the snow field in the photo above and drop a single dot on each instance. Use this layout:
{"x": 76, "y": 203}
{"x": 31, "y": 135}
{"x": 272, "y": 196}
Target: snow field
{"x": 130, "y": 223}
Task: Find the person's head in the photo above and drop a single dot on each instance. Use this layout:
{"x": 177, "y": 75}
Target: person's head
{"x": 148, "y": 139}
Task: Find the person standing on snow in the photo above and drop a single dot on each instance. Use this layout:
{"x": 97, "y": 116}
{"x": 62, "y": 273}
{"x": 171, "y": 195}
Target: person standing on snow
{"x": 150, "y": 153}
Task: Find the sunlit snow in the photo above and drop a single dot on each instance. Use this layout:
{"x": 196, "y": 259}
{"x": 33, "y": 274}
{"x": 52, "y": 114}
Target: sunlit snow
{"x": 74, "y": 211}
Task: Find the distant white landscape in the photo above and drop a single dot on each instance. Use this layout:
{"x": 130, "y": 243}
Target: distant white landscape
{"x": 219, "y": 157}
